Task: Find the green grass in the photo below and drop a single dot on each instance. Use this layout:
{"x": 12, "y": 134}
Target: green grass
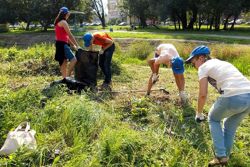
{"x": 125, "y": 129}
{"x": 181, "y": 36}
{"x": 165, "y": 32}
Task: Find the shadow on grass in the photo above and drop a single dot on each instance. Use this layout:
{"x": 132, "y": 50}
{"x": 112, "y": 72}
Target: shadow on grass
{"x": 182, "y": 125}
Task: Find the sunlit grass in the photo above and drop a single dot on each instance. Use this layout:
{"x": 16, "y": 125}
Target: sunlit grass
{"x": 126, "y": 129}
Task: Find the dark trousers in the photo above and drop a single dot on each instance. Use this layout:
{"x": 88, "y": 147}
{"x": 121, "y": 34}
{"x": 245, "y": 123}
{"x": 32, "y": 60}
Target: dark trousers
{"x": 105, "y": 63}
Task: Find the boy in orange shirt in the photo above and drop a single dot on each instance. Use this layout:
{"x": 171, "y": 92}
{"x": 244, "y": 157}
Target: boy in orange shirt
{"x": 108, "y": 47}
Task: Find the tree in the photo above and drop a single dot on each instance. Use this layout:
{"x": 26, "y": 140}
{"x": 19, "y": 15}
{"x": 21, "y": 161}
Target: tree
{"x": 6, "y": 15}
{"x": 97, "y": 6}
{"x": 138, "y": 8}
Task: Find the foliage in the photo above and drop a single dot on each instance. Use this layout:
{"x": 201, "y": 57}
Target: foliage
{"x": 29, "y": 11}
{"x": 4, "y": 28}
{"x": 140, "y": 49}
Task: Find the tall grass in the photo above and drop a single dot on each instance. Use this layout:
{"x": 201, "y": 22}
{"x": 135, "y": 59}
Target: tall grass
{"x": 112, "y": 130}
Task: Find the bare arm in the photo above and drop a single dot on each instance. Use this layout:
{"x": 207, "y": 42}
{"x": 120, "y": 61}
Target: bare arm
{"x": 109, "y": 42}
{"x": 203, "y": 86}
{"x": 72, "y": 40}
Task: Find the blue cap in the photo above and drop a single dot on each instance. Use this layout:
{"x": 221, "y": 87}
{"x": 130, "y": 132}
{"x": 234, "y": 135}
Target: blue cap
{"x": 87, "y": 39}
{"x": 64, "y": 10}
{"x": 199, "y": 50}
{"x": 177, "y": 65}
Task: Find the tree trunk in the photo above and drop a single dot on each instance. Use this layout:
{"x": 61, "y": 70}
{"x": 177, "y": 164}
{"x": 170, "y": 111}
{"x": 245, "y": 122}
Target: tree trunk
{"x": 211, "y": 23}
{"x": 27, "y": 26}
{"x": 193, "y": 19}
{"x": 232, "y": 26}
{"x": 143, "y": 21}
{"x": 217, "y": 21}
{"x": 184, "y": 19}
{"x": 175, "y": 27}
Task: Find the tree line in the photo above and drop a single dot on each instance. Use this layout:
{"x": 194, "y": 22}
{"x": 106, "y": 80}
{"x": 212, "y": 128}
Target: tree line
{"x": 43, "y": 12}
{"x": 186, "y": 14}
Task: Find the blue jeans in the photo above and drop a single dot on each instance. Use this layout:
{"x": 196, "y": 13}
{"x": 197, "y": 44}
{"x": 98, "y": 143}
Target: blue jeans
{"x": 105, "y": 63}
{"x": 230, "y": 110}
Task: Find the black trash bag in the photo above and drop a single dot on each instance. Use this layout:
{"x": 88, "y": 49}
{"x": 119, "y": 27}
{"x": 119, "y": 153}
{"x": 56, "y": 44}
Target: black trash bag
{"x": 73, "y": 84}
{"x": 86, "y": 67}
{"x": 70, "y": 83}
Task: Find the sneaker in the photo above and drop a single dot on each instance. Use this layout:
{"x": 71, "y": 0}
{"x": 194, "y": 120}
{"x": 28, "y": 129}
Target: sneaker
{"x": 106, "y": 87}
{"x": 222, "y": 161}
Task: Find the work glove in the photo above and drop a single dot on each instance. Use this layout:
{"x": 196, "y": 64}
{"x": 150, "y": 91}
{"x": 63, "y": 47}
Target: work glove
{"x": 199, "y": 117}
{"x": 183, "y": 96}
{"x": 101, "y": 51}
{"x": 155, "y": 78}
{"x": 75, "y": 48}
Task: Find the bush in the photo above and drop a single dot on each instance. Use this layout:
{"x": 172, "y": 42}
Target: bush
{"x": 140, "y": 50}
{"x": 4, "y": 28}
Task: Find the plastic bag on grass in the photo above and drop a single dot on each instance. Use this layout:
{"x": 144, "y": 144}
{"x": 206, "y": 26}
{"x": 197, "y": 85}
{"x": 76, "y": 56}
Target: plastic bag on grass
{"x": 21, "y": 136}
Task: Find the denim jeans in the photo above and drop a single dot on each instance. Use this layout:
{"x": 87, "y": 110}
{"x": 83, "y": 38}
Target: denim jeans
{"x": 105, "y": 63}
{"x": 224, "y": 117}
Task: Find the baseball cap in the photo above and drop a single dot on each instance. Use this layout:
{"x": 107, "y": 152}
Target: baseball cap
{"x": 199, "y": 50}
{"x": 87, "y": 39}
{"x": 64, "y": 10}
{"x": 177, "y": 65}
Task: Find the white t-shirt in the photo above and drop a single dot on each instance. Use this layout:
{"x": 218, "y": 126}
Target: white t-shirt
{"x": 166, "y": 53}
{"x": 224, "y": 77}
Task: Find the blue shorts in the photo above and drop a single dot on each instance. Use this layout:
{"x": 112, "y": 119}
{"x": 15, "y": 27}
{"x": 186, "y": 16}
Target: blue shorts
{"x": 63, "y": 52}
{"x": 68, "y": 52}
{"x": 177, "y": 65}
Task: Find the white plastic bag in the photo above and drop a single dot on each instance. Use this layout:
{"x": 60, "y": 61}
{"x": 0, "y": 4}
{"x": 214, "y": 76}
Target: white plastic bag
{"x": 21, "y": 136}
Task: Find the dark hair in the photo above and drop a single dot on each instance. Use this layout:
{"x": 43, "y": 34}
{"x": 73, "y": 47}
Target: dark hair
{"x": 59, "y": 17}
{"x": 207, "y": 57}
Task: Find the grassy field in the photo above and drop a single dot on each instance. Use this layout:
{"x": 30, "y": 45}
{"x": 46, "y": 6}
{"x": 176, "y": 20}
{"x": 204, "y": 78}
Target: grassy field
{"x": 123, "y": 129}
{"x": 238, "y": 36}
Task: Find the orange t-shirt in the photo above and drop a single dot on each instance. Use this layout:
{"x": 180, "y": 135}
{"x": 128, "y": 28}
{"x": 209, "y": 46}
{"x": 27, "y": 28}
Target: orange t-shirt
{"x": 100, "y": 38}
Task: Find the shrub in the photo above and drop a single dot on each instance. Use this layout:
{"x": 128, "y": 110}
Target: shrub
{"x": 4, "y": 28}
{"x": 140, "y": 50}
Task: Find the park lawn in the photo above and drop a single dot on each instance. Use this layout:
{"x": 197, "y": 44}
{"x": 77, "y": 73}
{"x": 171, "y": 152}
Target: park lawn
{"x": 122, "y": 129}
{"x": 165, "y": 32}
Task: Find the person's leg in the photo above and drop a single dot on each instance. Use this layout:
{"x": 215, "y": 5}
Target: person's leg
{"x": 63, "y": 69}
{"x": 180, "y": 81}
{"x": 101, "y": 63}
{"x": 107, "y": 64}
{"x": 71, "y": 57}
{"x": 71, "y": 66}
{"x": 242, "y": 109}
{"x": 150, "y": 83}
{"x": 215, "y": 115}
{"x": 234, "y": 109}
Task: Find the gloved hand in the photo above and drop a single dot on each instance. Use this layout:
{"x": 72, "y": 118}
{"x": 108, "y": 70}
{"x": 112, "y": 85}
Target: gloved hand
{"x": 184, "y": 96}
{"x": 200, "y": 117}
{"x": 101, "y": 51}
{"x": 74, "y": 47}
{"x": 155, "y": 78}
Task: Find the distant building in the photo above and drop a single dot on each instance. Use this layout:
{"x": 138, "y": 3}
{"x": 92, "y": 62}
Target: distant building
{"x": 113, "y": 9}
